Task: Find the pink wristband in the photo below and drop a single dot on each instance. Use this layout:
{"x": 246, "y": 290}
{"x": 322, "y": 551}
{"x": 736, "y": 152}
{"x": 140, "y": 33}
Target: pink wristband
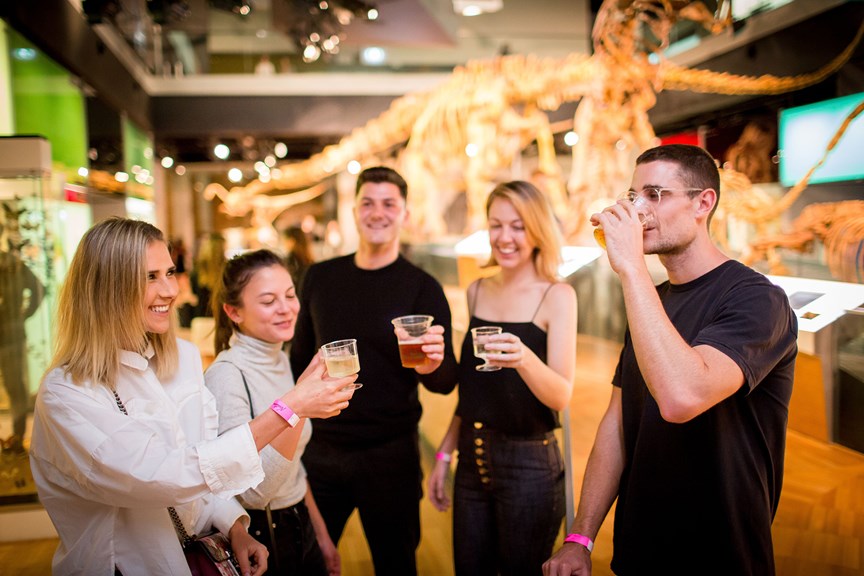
{"x": 443, "y": 457}
{"x": 579, "y": 539}
{"x": 285, "y": 412}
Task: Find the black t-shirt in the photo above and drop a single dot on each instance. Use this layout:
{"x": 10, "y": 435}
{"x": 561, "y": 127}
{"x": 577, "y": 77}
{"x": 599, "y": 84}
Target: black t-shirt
{"x": 700, "y": 497}
{"x": 338, "y": 300}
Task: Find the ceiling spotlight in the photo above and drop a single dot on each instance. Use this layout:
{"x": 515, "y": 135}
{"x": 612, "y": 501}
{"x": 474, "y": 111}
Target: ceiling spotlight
{"x": 476, "y": 7}
{"x": 354, "y": 167}
{"x": 235, "y": 175}
{"x": 167, "y": 162}
{"x": 24, "y": 54}
{"x": 571, "y": 138}
{"x": 121, "y": 176}
{"x": 270, "y": 161}
{"x": 311, "y": 53}
{"x": 373, "y": 56}
{"x": 83, "y": 172}
{"x": 222, "y": 151}
{"x": 280, "y": 149}
{"x": 180, "y": 170}
{"x": 372, "y": 14}
{"x": 471, "y": 150}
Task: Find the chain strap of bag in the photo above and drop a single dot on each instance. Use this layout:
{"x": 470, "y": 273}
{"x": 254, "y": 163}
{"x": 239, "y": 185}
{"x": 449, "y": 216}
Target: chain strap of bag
{"x": 208, "y": 555}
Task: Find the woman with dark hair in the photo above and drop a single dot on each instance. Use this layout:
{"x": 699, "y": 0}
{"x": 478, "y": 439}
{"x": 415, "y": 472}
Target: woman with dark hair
{"x": 256, "y": 306}
{"x": 125, "y": 432}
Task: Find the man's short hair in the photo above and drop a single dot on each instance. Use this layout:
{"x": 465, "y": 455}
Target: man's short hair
{"x": 696, "y": 168}
{"x": 378, "y": 174}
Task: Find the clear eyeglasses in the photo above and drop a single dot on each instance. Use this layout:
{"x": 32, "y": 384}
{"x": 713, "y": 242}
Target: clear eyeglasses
{"x": 654, "y": 194}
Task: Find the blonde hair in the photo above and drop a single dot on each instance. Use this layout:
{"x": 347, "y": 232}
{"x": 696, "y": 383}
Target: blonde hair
{"x": 541, "y": 226}
{"x": 101, "y": 305}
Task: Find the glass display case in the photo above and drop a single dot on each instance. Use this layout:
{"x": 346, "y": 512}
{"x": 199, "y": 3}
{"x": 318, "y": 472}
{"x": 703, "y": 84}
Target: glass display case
{"x": 27, "y": 290}
{"x": 850, "y": 379}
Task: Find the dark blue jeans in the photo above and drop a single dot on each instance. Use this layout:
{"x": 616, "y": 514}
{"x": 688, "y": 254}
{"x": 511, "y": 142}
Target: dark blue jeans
{"x": 508, "y": 503}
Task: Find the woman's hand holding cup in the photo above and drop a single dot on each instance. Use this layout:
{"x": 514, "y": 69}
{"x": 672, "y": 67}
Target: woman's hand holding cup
{"x": 318, "y": 396}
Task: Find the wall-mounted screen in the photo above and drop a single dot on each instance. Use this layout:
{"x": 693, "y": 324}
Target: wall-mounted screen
{"x": 805, "y": 133}
{"x": 745, "y": 8}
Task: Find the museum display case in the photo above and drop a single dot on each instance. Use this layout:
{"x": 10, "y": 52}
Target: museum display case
{"x": 27, "y": 289}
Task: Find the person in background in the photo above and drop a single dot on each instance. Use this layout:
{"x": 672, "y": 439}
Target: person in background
{"x": 509, "y": 489}
{"x": 186, "y": 299}
{"x": 692, "y": 442}
{"x": 368, "y": 458}
{"x": 124, "y": 427}
{"x": 255, "y": 306}
{"x": 21, "y": 292}
{"x": 298, "y": 253}
{"x": 207, "y": 271}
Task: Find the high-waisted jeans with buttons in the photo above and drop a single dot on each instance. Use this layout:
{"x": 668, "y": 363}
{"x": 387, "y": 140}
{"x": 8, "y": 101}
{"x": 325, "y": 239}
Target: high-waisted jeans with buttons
{"x": 508, "y": 502}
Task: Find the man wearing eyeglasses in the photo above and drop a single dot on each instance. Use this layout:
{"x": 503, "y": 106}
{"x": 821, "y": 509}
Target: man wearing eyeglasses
{"x": 693, "y": 439}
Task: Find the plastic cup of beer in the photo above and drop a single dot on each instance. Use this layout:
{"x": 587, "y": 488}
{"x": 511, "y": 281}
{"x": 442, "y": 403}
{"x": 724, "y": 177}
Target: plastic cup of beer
{"x": 480, "y": 337}
{"x": 644, "y": 210}
{"x": 342, "y": 359}
{"x": 409, "y": 333}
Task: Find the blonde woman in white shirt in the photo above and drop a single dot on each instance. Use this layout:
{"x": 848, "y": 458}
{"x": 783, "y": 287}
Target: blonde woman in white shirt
{"x": 125, "y": 428}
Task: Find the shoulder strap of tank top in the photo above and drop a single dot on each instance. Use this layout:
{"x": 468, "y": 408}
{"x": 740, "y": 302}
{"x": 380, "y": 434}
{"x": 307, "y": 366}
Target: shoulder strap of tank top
{"x": 476, "y": 293}
{"x": 541, "y": 301}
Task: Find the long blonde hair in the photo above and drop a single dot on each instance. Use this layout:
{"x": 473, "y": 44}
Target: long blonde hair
{"x": 101, "y": 305}
{"x": 541, "y": 226}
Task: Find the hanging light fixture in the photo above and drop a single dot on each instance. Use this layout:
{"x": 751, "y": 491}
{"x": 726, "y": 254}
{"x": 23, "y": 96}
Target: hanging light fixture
{"x": 318, "y": 26}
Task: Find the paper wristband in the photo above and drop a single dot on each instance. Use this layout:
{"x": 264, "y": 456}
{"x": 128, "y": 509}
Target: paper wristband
{"x": 285, "y": 412}
{"x": 579, "y": 539}
{"x": 443, "y": 457}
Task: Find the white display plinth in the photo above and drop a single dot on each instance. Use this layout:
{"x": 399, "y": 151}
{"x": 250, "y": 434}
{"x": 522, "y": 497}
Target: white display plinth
{"x": 818, "y": 304}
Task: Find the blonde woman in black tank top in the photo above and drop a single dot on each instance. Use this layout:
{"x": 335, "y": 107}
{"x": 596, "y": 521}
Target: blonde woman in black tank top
{"x": 509, "y": 485}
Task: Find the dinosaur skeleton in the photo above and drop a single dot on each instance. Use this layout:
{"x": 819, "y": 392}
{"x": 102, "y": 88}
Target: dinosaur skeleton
{"x": 469, "y": 133}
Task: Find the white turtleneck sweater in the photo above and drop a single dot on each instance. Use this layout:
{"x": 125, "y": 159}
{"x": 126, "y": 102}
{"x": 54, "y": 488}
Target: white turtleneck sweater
{"x": 268, "y": 375}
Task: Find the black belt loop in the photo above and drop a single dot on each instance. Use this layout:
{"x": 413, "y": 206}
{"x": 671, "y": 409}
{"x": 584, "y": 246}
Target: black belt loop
{"x": 271, "y": 527}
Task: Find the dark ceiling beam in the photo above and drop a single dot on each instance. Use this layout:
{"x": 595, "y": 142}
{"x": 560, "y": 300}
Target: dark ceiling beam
{"x": 64, "y": 34}
{"x": 183, "y": 116}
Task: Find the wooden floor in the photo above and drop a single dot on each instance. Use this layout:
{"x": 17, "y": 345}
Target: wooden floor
{"x": 819, "y": 529}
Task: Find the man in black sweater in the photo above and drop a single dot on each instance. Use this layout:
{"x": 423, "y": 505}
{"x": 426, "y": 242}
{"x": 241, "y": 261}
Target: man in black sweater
{"x": 368, "y": 457}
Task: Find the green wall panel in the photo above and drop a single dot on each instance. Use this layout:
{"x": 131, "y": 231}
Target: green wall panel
{"x": 46, "y": 102}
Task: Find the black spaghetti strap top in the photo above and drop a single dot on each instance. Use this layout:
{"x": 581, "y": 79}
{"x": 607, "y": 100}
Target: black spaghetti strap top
{"x": 501, "y": 399}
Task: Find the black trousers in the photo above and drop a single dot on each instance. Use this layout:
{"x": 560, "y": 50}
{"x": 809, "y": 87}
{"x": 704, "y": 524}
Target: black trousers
{"x": 383, "y": 482}
{"x": 295, "y": 551}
